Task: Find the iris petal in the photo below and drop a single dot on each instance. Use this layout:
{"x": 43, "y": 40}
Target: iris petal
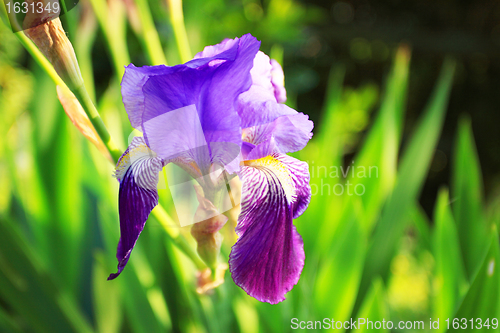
{"x": 138, "y": 172}
{"x": 299, "y": 172}
{"x": 261, "y": 104}
{"x": 268, "y": 257}
{"x": 207, "y": 87}
{"x": 278, "y": 81}
{"x": 291, "y": 133}
{"x": 132, "y": 82}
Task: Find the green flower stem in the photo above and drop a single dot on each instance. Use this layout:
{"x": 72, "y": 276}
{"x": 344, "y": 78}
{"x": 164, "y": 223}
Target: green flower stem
{"x": 177, "y": 20}
{"x": 166, "y": 222}
{"x": 150, "y": 36}
{"x": 40, "y": 58}
{"x": 83, "y": 96}
{"x": 11, "y": 18}
{"x": 81, "y": 93}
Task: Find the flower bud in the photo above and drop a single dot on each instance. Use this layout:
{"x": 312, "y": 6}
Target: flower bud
{"x": 207, "y": 281}
{"x": 206, "y": 232}
{"x": 46, "y": 31}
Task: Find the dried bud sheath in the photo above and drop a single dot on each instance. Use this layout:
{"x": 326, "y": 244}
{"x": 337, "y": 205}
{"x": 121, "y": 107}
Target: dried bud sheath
{"x": 46, "y": 31}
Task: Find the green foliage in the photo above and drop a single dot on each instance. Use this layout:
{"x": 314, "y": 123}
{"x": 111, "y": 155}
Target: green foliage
{"x": 468, "y": 201}
{"x": 58, "y": 205}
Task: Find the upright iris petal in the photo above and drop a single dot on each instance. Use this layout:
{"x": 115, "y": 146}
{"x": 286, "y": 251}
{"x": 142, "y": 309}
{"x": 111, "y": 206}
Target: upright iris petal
{"x": 259, "y": 104}
{"x": 209, "y": 86}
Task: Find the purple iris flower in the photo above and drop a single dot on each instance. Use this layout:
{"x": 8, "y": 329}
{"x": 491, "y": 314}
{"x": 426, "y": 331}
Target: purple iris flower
{"x": 223, "y": 109}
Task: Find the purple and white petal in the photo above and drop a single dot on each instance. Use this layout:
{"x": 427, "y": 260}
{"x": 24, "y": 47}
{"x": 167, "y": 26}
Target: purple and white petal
{"x": 261, "y": 104}
{"x": 263, "y": 149}
{"x": 278, "y": 81}
{"x": 133, "y": 97}
{"x": 261, "y": 72}
{"x": 213, "y": 50}
{"x": 268, "y": 257}
{"x": 138, "y": 173}
{"x": 299, "y": 172}
{"x": 258, "y": 106}
{"x": 291, "y": 133}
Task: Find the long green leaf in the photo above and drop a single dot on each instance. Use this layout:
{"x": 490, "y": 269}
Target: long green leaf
{"x": 29, "y": 290}
{"x": 340, "y": 271}
{"x": 449, "y": 279}
{"x": 467, "y": 199}
{"x": 106, "y": 299}
{"x": 378, "y": 156}
{"x": 411, "y": 176}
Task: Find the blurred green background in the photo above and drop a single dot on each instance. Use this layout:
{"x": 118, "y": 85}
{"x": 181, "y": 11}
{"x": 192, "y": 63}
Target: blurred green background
{"x": 406, "y": 90}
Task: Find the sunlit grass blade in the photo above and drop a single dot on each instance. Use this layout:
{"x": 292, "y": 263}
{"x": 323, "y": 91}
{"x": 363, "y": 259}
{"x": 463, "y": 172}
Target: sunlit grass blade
{"x": 411, "y": 176}
{"x": 177, "y": 21}
{"x": 483, "y": 298}
{"x": 450, "y": 281}
{"x": 136, "y": 296}
{"x": 83, "y": 43}
{"x": 27, "y": 287}
{"x": 59, "y": 164}
{"x": 373, "y": 307}
{"x": 111, "y": 18}
{"x": 149, "y": 36}
{"x": 178, "y": 285}
{"x": 247, "y": 317}
{"x": 107, "y": 305}
{"x": 329, "y": 129}
{"x": 325, "y": 149}
{"x": 467, "y": 199}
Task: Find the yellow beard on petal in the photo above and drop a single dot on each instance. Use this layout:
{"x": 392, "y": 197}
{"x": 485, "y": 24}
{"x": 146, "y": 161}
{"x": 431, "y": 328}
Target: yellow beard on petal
{"x": 279, "y": 170}
{"x": 132, "y": 155}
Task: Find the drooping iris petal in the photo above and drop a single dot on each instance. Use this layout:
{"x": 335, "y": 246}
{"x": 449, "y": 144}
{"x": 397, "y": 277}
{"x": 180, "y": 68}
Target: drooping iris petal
{"x": 291, "y": 133}
{"x": 299, "y": 172}
{"x": 268, "y": 257}
{"x": 138, "y": 173}
{"x": 209, "y": 86}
